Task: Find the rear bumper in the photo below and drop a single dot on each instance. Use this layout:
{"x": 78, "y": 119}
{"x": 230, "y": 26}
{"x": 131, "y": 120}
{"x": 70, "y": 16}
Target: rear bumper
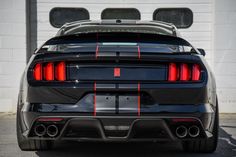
{"x": 159, "y": 126}
{"x": 119, "y": 129}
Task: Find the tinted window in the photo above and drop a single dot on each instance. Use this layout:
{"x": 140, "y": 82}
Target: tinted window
{"x": 180, "y": 17}
{"x": 60, "y": 16}
{"x": 121, "y": 13}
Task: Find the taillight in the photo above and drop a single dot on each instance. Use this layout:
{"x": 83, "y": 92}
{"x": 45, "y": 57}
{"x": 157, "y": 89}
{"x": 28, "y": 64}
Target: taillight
{"x": 60, "y": 71}
{"x": 38, "y": 72}
{"x": 173, "y": 72}
{"x": 184, "y": 72}
{"x": 196, "y": 72}
{"x": 50, "y": 71}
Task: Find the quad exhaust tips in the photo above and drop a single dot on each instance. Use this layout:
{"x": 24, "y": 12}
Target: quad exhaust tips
{"x": 181, "y": 131}
{"x": 193, "y": 131}
{"x": 52, "y": 130}
{"x": 40, "y": 130}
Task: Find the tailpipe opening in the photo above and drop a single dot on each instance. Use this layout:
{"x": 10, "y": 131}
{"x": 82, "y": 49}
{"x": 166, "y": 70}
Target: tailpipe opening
{"x": 40, "y": 130}
{"x": 181, "y": 131}
{"x": 193, "y": 131}
{"x": 52, "y": 130}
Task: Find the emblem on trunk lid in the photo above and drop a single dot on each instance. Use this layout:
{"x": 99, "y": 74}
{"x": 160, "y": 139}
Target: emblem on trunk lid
{"x": 116, "y": 72}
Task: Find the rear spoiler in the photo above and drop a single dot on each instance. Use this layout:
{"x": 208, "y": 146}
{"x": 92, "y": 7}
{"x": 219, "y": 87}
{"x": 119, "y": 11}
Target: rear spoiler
{"x": 117, "y": 37}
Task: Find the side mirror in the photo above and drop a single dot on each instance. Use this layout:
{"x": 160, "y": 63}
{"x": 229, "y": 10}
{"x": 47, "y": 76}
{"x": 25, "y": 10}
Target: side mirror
{"x": 202, "y": 51}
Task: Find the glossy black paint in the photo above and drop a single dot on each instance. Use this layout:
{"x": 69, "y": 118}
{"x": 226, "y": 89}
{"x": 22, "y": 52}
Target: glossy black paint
{"x": 117, "y": 97}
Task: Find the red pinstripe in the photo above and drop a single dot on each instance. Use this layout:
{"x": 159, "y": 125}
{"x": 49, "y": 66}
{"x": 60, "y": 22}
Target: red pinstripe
{"x": 139, "y": 99}
{"x": 139, "y": 53}
{"x": 94, "y": 99}
{"x": 97, "y": 49}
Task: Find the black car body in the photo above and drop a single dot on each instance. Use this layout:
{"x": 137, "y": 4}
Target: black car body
{"x": 118, "y": 80}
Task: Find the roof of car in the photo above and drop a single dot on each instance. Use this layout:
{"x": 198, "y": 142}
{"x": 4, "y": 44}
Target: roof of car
{"x": 116, "y": 25}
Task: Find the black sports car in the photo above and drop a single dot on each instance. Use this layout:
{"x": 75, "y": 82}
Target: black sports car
{"x": 118, "y": 80}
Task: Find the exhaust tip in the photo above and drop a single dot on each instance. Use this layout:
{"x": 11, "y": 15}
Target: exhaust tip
{"x": 52, "y": 130}
{"x": 40, "y": 130}
{"x": 181, "y": 131}
{"x": 194, "y": 131}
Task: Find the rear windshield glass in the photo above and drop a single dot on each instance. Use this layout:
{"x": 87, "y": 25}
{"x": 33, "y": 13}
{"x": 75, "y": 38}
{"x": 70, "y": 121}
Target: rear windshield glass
{"x": 117, "y": 43}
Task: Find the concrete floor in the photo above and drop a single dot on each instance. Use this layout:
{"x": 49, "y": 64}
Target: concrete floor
{"x": 9, "y": 147}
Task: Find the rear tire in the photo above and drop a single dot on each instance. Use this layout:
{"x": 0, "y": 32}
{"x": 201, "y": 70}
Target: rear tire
{"x": 206, "y": 145}
{"x": 30, "y": 145}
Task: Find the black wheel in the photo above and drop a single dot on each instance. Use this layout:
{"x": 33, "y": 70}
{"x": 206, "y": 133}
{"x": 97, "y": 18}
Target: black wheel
{"x": 30, "y": 145}
{"x": 207, "y": 145}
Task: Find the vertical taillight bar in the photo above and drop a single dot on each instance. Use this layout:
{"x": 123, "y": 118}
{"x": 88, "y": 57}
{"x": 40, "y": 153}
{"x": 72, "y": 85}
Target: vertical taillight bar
{"x": 196, "y": 72}
{"x": 173, "y": 72}
{"x": 60, "y": 71}
{"x": 37, "y": 72}
{"x": 49, "y": 71}
{"x": 184, "y": 72}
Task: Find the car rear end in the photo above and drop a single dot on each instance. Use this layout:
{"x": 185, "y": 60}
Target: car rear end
{"x": 117, "y": 87}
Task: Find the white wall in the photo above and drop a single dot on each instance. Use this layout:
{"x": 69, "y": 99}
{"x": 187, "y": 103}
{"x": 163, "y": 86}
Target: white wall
{"x": 12, "y": 51}
{"x": 225, "y": 53}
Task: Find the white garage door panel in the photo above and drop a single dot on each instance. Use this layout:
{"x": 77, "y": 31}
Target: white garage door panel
{"x": 46, "y": 27}
{"x": 202, "y": 44}
{"x": 203, "y": 36}
{"x": 200, "y": 27}
{"x": 202, "y": 17}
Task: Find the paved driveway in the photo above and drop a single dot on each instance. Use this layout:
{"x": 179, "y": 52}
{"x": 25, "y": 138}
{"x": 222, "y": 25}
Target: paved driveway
{"x": 9, "y": 148}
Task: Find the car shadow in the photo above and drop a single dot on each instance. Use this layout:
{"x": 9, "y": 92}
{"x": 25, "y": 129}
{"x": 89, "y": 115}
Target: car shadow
{"x": 226, "y": 147}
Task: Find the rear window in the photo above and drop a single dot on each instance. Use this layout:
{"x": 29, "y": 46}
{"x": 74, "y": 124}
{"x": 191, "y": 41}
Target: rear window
{"x": 117, "y": 42}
